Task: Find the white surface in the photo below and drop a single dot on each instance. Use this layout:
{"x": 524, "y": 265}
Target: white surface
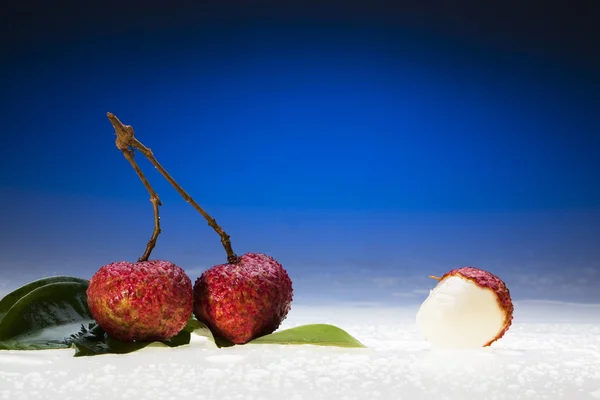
{"x": 551, "y": 352}
{"x": 460, "y": 314}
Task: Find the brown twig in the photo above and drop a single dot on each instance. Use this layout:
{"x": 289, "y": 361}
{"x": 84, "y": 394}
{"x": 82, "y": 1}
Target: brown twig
{"x": 125, "y": 137}
{"x": 131, "y": 142}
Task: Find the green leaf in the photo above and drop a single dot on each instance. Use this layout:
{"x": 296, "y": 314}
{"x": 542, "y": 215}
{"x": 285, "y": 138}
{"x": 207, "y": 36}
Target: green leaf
{"x": 222, "y": 342}
{"x": 52, "y": 313}
{"x": 45, "y": 317}
{"x": 199, "y": 328}
{"x": 94, "y": 341}
{"x": 10, "y": 299}
{"x": 193, "y": 324}
{"x": 315, "y": 334}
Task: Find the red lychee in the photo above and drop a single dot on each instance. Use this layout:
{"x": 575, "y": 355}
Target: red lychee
{"x": 242, "y": 301}
{"x": 469, "y": 307}
{"x": 141, "y": 301}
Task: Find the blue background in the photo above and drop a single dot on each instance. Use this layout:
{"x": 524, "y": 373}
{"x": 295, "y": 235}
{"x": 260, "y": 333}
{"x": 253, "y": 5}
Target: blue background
{"x": 363, "y": 157}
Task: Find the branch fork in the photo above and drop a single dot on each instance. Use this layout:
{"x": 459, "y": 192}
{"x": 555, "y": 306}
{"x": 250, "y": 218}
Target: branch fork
{"x": 127, "y": 143}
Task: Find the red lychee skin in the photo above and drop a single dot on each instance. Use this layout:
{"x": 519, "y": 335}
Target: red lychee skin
{"x": 485, "y": 279}
{"x": 243, "y": 301}
{"x": 141, "y": 301}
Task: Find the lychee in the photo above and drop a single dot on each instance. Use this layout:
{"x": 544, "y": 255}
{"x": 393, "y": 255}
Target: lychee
{"x": 141, "y": 301}
{"x": 468, "y": 308}
{"x": 244, "y": 300}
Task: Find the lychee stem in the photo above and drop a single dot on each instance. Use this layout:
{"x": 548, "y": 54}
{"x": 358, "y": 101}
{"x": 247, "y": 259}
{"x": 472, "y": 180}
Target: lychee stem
{"x": 124, "y": 138}
{"x": 435, "y": 277}
{"x": 131, "y": 141}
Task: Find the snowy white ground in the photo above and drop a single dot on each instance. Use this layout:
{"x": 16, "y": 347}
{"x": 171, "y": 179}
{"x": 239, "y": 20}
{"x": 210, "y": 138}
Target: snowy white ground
{"x": 551, "y": 352}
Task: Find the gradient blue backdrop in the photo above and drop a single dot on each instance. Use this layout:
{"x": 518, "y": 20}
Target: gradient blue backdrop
{"x": 363, "y": 159}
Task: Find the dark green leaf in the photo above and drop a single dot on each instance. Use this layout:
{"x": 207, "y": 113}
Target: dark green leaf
{"x": 315, "y": 334}
{"x": 45, "y": 317}
{"x": 95, "y": 341}
{"x": 193, "y": 324}
{"x": 10, "y": 299}
{"x": 182, "y": 338}
{"x": 222, "y": 342}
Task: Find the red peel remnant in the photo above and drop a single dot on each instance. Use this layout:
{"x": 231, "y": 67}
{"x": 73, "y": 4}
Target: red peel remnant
{"x": 487, "y": 280}
{"x": 245, "y": 300}
{"x": 141, "y": 301}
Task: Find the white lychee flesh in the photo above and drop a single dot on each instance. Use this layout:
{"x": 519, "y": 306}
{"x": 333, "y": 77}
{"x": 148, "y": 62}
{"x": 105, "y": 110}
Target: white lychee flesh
{"x": 460, "y": 314}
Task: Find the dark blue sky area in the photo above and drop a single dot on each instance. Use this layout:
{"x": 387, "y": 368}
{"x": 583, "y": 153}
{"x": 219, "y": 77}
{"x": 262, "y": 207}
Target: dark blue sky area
{"x": 393, "y": 139}
{"x": 308, "y": 118}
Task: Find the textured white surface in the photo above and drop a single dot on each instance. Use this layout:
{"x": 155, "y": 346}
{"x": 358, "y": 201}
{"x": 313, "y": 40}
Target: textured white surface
{"x": 551, "y": 352}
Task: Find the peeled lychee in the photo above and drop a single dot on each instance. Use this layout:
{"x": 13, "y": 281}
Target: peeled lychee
{"x": 242, "y": 301}
{"x": 141, "y": 301}
{"x": 469, "y": 307}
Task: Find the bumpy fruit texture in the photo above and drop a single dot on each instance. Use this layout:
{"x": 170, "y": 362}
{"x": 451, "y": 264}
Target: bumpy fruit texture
{"x": 469, "y": 307}
{"x": 240, "y": 302}
{"x": 141, "y": 301}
